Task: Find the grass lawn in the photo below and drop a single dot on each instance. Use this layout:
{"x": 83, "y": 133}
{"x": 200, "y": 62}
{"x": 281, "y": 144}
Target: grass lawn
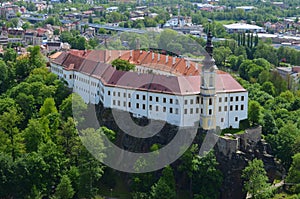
{"x": 232, "y": 131}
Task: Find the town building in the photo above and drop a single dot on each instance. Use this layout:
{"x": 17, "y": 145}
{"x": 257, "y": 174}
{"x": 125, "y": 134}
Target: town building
{"x": 291, "y": 75}
{"x": 243, "y": 27}
{"x": 162, "y": 87}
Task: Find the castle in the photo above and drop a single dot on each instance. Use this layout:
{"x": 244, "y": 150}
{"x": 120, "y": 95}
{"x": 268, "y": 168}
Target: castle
{"x": 162, "y": 87}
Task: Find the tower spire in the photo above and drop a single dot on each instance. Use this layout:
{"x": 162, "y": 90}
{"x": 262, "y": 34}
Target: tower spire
{"x": 209, "y": 46}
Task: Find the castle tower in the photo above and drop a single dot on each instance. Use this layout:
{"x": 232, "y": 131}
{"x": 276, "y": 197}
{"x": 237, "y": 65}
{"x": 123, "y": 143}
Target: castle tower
{"x": 208, "y": 88}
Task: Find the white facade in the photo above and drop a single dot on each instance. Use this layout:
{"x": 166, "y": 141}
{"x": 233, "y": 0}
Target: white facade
{"x": 178, "y": 110}
{"x": 210, "y": 105}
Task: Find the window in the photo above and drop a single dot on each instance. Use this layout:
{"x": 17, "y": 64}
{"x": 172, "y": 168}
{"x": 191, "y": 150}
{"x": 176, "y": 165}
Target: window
{"x": 242, "y": 98}
{"x": 119, "y": 103}
{"x": 157, "y": 99}
{"x": 176, "y": 111}
{"x": 157, "y": 109}
{"x": 222, "y": 119}
{"x": 144, "y": 106}
{"x": 177, "y": 102}
{"x": 119, "y": 94}
{"x": 144, "y": 97}
{"x": 171, "y": 101}
{"x": 237, "y": 98}
{"x": 185, "y": 111}
{"x": 114, "y": 102}
{"x": 137, "y": 96}
{"x": 201, "y": 100}
{"x": 150, "y": 98}
{"x": 236, "y": 107}
{"x": 164, "y": 100}
{"x": 114, "y": 93}
{"x": 108, "y": 92}
{"x": 70, "y": 76}
{"x": 210, "y": 101}
{"x": 231, "y": 99}
{"x": 231, "y": 108}
{"x": 197, "y": 110}
{"x": 197, "y": 100}
{"x": 150, "y": 107}
{"x": 164, "y": 109}
{"x": 236, "y": 119}
{"x": 124, "y": 94}
{"x": 185, "y": 101}
{"x": 191, "y": 101}
{"x": 210, "y": 111}
{"x": 220, "y": 108}
{"x": 225, "y": 108}
{"x": 129, "y": 104}
{"x": 220, "y": 99}
{"x": 225, "y": 99}
{"x": 191, "y": 111}
{"x": 129, "y": 95}
{"x": 137, "y": 105}
{"x": 124, "y": 104}
{"x": 242, "y": 107}
{"x": 171, "y": 110}
{"x": 201, "y": 111}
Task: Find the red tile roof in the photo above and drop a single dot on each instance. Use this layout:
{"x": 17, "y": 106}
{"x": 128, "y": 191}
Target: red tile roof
{"x": 177, "y": 66}
{"x": 93, "y": 63}
{"x": 226, "y": 83}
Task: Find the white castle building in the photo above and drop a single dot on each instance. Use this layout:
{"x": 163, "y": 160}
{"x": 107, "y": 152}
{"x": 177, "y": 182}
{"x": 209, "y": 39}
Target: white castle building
{"x": 162, "y": 87}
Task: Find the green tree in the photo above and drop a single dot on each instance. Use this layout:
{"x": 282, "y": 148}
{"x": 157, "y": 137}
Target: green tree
{"x": 8, "y": 125}
{"x": 10, "y": 55}
{"x": 221, "y": 54}
{"x": 4, "y": 76}
{"x": 90, "y": 169}
{"x": 48, "y": 107}
{"x": 122, "y": 65}
{"x": 254, "y": 112}
{"x": 64, "y": 189}
{"x": 269, "y": 124}
{"x": 283, "y": 143}
{"x": 256, "y": 179}
{"x": 166, "y": 37}
{"x": 73, "y": 105}
{"x": 36, "y": 59}
{"x": 294, "y": 171}
{"x": 165, "y": 187}
{"x": 34, "y": 135}
{"x": 207, "y": 179}
{"x": 268, "y": 87}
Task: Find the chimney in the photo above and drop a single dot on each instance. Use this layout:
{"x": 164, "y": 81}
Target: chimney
{"x": 130, "y": 53}
{"x": 152, "y": 55}
{"x": 167, "y": 58}
{"x": 174, "y": 60}
{"x": 188, "y": 64}
{"x": 158, "y": 57}
{"x": 197, "y": 67}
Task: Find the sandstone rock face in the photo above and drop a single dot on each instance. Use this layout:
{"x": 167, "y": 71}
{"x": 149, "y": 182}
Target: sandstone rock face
{"x": 233, "y": 152}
